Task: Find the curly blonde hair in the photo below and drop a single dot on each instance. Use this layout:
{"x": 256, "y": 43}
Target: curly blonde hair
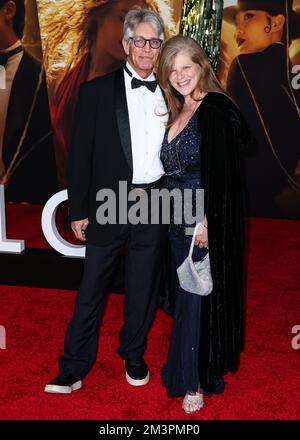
{"x": 68, "y": 28}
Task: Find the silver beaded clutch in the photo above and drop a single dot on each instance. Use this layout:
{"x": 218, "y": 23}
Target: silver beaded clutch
{"x": 195, "y": 277}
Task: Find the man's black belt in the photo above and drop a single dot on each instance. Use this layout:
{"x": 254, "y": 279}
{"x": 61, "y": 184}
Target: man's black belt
{"x": 147, "y": 186}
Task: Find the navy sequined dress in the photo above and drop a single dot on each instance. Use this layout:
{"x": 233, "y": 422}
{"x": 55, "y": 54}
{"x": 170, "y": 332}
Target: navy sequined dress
{"x": 181, "y": 161}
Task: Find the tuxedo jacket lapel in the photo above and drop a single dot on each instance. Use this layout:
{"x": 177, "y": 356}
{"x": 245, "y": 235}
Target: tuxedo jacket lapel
{"x": 123, "y": 116}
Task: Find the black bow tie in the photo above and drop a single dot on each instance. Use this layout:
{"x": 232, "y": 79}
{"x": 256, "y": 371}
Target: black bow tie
{"x": 4, "y": 56}
{"x": 136, "y": 83}
{"x": 151, "y": 85}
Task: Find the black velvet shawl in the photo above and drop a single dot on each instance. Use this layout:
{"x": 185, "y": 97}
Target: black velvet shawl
{"x": 223, "y": 135}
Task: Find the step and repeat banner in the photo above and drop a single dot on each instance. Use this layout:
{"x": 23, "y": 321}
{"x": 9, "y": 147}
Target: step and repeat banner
{"x": 62, "y": 43}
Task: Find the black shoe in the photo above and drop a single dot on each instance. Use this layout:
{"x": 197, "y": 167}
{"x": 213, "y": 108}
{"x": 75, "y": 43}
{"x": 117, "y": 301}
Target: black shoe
{"x": 63, "y": 384}
{"x": 137, "y": 373}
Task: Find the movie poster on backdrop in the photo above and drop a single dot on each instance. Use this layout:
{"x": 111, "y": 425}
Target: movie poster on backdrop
{"x": 82, "y": 40}
{"x": 27, "y": 161}
{"x": 260, "y": 67}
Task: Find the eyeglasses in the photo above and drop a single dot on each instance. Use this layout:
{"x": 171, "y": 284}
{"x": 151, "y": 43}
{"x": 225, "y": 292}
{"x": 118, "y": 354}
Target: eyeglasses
{"x": 155, "y": 43}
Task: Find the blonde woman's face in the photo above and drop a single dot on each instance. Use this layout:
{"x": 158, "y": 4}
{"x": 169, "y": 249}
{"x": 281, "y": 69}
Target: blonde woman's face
{"x": 185, "y": 74}
{"x": 110, "y": 30}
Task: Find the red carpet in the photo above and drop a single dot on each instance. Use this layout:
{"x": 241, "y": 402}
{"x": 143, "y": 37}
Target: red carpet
{"x": 267, "y": 386}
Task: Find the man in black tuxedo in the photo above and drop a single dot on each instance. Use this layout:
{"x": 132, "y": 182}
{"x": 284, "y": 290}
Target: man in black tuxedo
{"x": 27, "y": 162}
{"x": 117, "y": 137}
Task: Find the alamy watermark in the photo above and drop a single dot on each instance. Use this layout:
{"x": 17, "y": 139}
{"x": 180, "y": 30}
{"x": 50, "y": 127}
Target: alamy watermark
{"x": 155, "y": 206}
{"x": 296, "y": 79}
{"x": 2, "y": 78}
{"x": 2, "y": 338}
{"x": 295, "y": 342}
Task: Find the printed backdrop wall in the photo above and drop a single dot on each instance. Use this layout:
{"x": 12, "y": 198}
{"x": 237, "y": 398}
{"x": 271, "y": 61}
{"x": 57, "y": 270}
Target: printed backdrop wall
{"x": 260, "y": 68}
{"x": 27, "y": 163}
{"x": 82, "y": 39}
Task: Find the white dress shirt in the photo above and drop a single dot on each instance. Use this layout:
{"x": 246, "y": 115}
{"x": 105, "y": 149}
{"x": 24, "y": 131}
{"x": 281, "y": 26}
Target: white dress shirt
{"x": 10, "y": 72}
{"x": 147, "y": 128}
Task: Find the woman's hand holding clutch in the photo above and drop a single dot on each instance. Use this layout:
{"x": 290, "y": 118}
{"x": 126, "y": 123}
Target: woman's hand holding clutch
{"x": 201, "y": 239}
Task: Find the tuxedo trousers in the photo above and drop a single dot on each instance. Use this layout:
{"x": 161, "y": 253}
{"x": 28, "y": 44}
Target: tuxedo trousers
{"x": 144, "y": 245}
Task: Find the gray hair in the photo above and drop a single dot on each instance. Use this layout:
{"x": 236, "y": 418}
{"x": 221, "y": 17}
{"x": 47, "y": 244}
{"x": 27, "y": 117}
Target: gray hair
{"x": 137, "y": 16}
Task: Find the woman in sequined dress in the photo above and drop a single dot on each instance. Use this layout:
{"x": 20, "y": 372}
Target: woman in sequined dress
{"x": 201, "y": 150}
